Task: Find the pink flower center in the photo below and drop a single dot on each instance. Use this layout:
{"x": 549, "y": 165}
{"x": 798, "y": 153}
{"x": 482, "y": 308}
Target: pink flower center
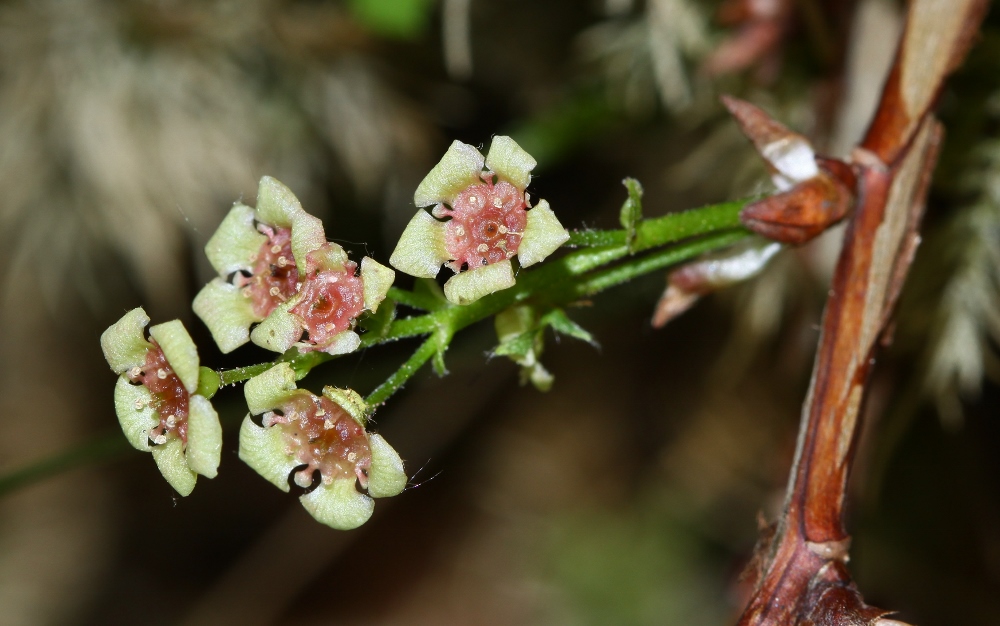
{"x": 170, "y": 398}
{"x": 487, "y": 222}
{"x": 330, "y": 301}
{"x": 274, "y": 276}
{"x": 323, "y": 437}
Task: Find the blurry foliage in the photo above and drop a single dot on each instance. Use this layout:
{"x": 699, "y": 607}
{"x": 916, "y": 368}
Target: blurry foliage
{"x": 406, "y": 19}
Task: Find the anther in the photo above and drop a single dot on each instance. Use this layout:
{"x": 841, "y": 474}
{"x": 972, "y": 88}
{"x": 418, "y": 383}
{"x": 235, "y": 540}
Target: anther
{"x": 161, "y": 373}
{"x": 135, "y": 372}
{"x": 497, "y": 202}
{"x": 139, "y": 405}
{"x": 460, "y": 231}
{"x": 274, "y": 291}
{"x": 352, "y": 456}
{"x": 303, "y": 479}
{"x": 171, "y": 421}
{"x": 503, "y": 229}
{"x": 282, "y": 261}
{"x": 275, "y": 249}
{"x": 482, "y": 247}
{"x": 327, "y": 424}
{"x": 160, "y": 440}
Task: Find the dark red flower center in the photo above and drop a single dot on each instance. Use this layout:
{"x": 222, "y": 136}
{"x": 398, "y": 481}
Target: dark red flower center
{"x": 486, "y": 226}
{"x": 323, "y": 437}
{"x": 330, "y": 301}
{"x": 274, "y": 277}
{"x": 170, "y": 398}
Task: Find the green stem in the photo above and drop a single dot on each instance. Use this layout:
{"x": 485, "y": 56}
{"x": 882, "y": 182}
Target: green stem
{"x": 405, "y": 371}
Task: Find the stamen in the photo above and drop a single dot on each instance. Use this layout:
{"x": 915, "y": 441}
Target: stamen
{"x": 135, "y": 372}
{"x": 161, "y": 373}
{"x": 352, "y": 456}
{"x": 498, "y": 203}
{"x": 274, "y": 291}
{"x": 160, "y": 439}
{"x": 303, "y": 479}
{"x": 275, "y": 249}
{"x": 460, "y": 231}
{"x": 482, "y": 247}
{"x": 503, "y": 229}
{"x": 140, "y": 404}
{"x": 282, "y": 261}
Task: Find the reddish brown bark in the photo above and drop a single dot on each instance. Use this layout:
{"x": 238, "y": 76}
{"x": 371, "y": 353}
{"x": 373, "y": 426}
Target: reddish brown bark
{"x": 803, "y": 578}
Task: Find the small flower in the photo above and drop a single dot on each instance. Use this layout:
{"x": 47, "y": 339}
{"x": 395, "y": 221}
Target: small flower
{"x": 521, "y": 338}
{"x": 490, "y": 221}
{"x": 276, "y": 269}
{"x": 319, "y": 443}
{"x": 155, "y": 398}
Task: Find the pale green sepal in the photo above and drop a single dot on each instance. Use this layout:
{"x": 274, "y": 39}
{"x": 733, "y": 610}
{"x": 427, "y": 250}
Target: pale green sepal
{"x": 514, "y": 321}
{"x": 280, "y": 330}
{"x": 329, "y": 256}
{"x": 181, "y": 353}
{"x": 263, "y": 449}
{"x": 460, "y": 167}
{"x": 269, "y": 390}
{"x": 343, "y": 343}
{"x": 375, "y": 280}
{"x": 510, "y": 162}
{"x": 386, "y": 476}
{"x": 170, "y": 459}
{"x": 308, "y": 236}
{"x": 124, "y": 342}
{"x": 276, "y": 204}
{"x": 226, "y": 312}
{"x": 339, "y": 505}
{"x": 349, "y": 400}
{"x": 235, "y": 242}
{"x": 204, "y": 437}
{"x": 542, "y": 236}
{"x": 421, "y": 249}
{"x": 561, "y": 323}
{"x": 467, "y": 287}
{"x": 540, "y": 377}
{"x": 135, "y": 422}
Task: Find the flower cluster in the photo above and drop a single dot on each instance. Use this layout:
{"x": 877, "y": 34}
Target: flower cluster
{"x": 278, "y": 271}
{"x": 319, "y": 443}
{"x": 281, "y": 285}
{"x": 156, "y": 400}
{"x": 488, "y": 221}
